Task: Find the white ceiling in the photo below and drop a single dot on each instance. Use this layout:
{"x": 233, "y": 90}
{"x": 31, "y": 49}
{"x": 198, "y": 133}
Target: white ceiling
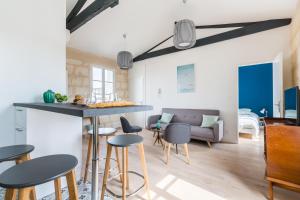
{"x": 147, "y": 22}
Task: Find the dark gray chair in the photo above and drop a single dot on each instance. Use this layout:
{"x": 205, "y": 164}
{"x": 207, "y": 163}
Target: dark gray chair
{"x": 127, "y": 128}
{"x": 177, "y": 133}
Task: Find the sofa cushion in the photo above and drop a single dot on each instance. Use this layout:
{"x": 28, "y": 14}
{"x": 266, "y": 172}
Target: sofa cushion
{"x": 202, "y": 132}
{"x": 189, "y": 116}
{"x": 209, "y": 120}
{"x": 166, "y": 118}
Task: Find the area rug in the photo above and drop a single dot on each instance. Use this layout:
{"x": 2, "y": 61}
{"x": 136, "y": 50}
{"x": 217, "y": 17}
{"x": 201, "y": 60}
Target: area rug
{"x": 84, "y": 192}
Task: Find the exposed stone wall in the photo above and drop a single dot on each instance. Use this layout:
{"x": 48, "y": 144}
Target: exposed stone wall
{"x": 79, "y": 79}
{"x": 295, "y": 46}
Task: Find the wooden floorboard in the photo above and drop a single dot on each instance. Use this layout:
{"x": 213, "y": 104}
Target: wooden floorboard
{"x": 223, "y": 172}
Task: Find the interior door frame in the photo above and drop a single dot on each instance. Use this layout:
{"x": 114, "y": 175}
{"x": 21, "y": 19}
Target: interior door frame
{"x": 237, "y": 88}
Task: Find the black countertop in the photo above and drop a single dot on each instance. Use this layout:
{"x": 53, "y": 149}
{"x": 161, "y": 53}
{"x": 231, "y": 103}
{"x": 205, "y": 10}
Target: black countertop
{"x": 83, "y": 111}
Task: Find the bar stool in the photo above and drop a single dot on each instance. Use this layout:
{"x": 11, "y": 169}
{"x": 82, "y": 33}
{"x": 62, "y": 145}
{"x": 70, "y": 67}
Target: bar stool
{"x": 102, "y": 132}
{"x": 124, "y": 141}
{"x": 19, "y": 154}
{"x": 25, "y": 176}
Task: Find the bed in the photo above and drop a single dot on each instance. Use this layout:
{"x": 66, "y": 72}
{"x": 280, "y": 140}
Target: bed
{"x": 248, "y": 122}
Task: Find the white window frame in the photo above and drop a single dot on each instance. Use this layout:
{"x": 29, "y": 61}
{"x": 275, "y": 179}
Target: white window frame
{"x": 103, "y": 80}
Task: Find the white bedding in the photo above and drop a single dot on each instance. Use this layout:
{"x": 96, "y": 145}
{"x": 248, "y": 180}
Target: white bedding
{"x": 249, "y": 122}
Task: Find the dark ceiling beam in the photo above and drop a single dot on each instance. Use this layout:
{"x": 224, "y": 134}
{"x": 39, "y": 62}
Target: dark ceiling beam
{"x": 252, "y": 28}
{"x": 231, "y": 25}
{"x": 90, "y": 12}
{"x": 79, "y": 4}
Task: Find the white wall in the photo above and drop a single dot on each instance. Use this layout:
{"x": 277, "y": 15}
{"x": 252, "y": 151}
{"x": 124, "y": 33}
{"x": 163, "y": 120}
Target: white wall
{"x": 32, "y": 55}
{"x": 216, "y": 74}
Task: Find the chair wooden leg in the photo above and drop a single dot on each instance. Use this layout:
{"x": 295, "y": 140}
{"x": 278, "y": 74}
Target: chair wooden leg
{"x": 124, "y": 170}
{"x": 57, "y": 186}
{"x": 10, "y": 194}
{"x": 168, "y": 152}
{"x": 144, "y": 167}
{"x": 88, "y": 158}
{"x": 105, "y": 176}
{"x": 271, "y": 194}
{"x": 118, "y": 162}
{"x": 24, "y": 193}
{"x": 127, "y": 178}
{"x": 187, "y": 153}
{"x": 72, "y": 186}
{"x": 208, "y": 143}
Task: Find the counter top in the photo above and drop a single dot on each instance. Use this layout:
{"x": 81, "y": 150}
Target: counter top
{"x": 83, "y": 111}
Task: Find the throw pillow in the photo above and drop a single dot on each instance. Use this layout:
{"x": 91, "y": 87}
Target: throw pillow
{"x": 209, "y": 120}
{"x": 166, "y": 118}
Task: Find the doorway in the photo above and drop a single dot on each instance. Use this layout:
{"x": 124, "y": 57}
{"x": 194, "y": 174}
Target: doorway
{"x": 259, "y": 96}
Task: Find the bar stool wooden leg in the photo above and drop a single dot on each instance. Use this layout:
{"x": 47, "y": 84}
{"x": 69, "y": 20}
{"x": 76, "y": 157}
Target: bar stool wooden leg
{"x": 118, "y": 162}
{"x": 144, "y": 167}
{"x": 21, "y": 160}
{"x": 33, "y": 194}
{"x": 88, "y": 158}
{"x": 106, "y": 171}
{"x": 10, "y": 194}
{"x": 127, "y": 178}
{"x": 72, "y": 186}
{"x": 106, "y": 158}
{"x": 187, "y": 153}
{"x": 57, "y": 186}
{"x": 124, "y": 173}
{"x": 24, "y": 193}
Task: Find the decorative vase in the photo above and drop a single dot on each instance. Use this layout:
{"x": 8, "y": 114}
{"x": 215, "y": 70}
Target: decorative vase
{"x": 158, "y": 126}
{"x": 49, "y": 96}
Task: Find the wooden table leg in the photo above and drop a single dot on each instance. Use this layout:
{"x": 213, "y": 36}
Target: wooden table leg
{"x": 144, "y": 167}
{"x": 271, "y": 194}
{"x": 106, "y": 170}
{"x": 57, "y": 186}
{"x": 72, "y": 186}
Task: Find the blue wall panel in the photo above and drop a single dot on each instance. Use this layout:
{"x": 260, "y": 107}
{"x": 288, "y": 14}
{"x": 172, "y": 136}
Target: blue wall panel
{"x": 256, "y": 88}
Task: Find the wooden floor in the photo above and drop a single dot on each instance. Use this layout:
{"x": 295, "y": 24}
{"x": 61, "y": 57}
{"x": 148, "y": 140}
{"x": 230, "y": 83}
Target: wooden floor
{"x": 226, "y": 171}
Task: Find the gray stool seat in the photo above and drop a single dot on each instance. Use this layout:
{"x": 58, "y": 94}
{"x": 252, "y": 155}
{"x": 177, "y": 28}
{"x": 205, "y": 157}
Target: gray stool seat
{"x": 13, "y": 152}
{"x": 37, "y": 171}
{"x": 125, "y": 140}
{"x": 104, "y": 131}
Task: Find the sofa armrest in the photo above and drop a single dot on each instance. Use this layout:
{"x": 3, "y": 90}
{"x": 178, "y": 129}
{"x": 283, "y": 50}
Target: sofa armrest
{"x": 218, "y": 129}
{"x": 152, "y": 120}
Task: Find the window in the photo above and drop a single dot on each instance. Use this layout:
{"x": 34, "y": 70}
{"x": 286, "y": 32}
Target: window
{"x": 102, "y": 84}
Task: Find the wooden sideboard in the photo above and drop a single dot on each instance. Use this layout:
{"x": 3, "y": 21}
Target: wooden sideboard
{"x": 282, "y": 154}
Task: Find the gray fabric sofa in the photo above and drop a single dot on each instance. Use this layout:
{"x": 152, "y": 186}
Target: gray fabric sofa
{"x": 194, "y": 118}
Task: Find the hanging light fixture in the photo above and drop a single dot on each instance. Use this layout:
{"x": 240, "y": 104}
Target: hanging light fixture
{"x": 184, "y": 33}
{"x": 125, "y": 58}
